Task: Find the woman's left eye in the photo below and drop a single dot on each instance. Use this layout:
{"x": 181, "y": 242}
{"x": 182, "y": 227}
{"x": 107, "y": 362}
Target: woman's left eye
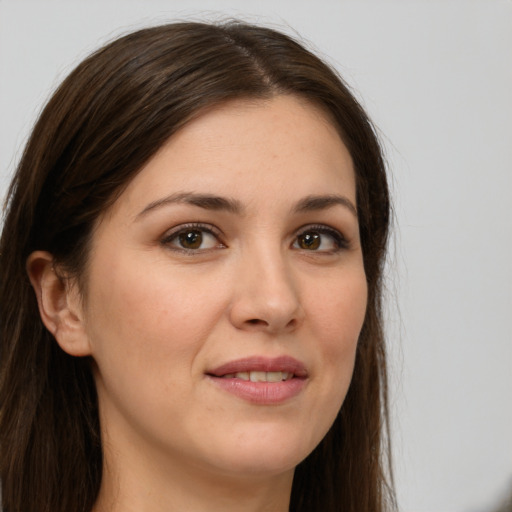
{"x": 194, "y": 238}
{"x": 320, "y": 239}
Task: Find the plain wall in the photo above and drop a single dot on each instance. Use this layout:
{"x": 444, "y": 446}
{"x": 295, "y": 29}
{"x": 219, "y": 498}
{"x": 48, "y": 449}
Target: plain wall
{"x": 436, "y": 77}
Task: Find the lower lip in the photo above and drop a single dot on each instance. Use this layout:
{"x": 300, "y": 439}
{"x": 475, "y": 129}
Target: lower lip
{"x": 262, "y": 393}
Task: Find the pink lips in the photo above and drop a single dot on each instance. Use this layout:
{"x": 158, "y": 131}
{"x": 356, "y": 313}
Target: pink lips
{"x": 263, "y": 393}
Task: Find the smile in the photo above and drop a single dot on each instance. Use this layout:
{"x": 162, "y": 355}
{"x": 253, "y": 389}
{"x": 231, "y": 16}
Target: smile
{"x": 257, "y": 376}
{"x": 260, "y": 380}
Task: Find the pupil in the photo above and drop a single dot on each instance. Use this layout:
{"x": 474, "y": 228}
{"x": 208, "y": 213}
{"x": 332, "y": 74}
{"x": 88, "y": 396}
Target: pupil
{"x": 191, "y": 239}
{"x": 310, "y": 241}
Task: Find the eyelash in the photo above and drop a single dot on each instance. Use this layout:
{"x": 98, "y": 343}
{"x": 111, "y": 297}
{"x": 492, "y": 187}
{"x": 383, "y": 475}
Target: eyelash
{"x": 194, "y": 226}
{"x": 341, "y": 243}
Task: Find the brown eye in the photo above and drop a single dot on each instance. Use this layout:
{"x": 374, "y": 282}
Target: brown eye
{"x": 309, "y": 241}
{"x": 191, "y": 239}
{"x": 320, "y": 239}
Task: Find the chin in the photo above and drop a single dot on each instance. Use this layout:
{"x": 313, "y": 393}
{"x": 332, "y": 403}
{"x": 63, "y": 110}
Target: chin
{"x": 261, "y": 465}
{"x": 265, "y": 452}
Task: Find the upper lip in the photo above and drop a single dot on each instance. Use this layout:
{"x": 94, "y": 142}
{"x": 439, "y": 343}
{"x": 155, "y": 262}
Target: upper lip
{"x": 261, "y": 364}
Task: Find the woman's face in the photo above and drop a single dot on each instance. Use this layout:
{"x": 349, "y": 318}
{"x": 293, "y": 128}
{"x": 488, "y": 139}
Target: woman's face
{"x": 226, "y": 293}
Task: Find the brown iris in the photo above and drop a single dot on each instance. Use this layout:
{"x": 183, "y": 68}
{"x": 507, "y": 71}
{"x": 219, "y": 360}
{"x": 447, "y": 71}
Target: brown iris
{"x": 191, "y": 239}
{"x": 309, "y": 241}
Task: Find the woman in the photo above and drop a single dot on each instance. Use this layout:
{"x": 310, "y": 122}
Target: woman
{"x": 191, "y": 282}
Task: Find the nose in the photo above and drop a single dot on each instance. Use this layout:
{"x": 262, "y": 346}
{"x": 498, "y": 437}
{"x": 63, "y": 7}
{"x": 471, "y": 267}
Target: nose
{"x": 266, "y": 295}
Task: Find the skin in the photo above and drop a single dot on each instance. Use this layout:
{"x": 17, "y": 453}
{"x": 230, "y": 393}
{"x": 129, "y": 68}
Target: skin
{"x": 157, "y": 316}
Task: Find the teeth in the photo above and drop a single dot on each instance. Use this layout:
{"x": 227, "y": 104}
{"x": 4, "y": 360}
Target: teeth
{"x": 274, "y": 376}
{"x": 260, "y": 376}
{"x": 257, "y": 376}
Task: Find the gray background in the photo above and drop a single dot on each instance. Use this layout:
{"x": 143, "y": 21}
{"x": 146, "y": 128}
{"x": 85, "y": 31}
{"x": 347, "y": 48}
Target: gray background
{"x": 436, "y": 78}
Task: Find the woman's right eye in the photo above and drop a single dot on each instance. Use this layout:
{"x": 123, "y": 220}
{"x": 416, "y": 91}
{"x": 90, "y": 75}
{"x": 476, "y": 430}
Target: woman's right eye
{"x": 192, "y": 239}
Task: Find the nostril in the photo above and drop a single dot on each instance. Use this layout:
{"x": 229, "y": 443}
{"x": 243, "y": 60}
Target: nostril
{"x": 256, "y": 321}
{"x": 262, "y": 323}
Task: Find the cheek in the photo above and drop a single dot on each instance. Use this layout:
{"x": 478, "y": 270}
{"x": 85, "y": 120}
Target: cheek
{"x": 141, "y": 304}
{"x": 340, "y": 308}
{"x": 339, "y": 313}
{"x": 146, "y": 325}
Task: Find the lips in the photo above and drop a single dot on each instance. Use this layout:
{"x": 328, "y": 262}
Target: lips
{"x": 257, "y": 376}
{"x": 283, "y": 364}
{"x": 260, "y": 380}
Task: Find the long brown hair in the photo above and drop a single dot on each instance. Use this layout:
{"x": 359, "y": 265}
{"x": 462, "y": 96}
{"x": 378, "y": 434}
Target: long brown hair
{"x": 105, "y": 121}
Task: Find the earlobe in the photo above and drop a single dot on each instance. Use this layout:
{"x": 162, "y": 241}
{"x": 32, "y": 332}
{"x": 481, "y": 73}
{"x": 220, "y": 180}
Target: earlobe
{"x": 59, "y": 304}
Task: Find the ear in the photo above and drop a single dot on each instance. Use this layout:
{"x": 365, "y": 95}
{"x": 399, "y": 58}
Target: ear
{"x": 59, "y": 304}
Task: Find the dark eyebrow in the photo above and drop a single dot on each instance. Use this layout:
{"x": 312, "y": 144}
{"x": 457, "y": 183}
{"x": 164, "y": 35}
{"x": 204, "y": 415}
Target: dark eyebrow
{"x": 206, "y": 201}
{"x": 313, "y": 203}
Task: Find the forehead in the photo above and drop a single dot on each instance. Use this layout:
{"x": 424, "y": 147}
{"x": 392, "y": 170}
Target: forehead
{"x": 250, "y": 148}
